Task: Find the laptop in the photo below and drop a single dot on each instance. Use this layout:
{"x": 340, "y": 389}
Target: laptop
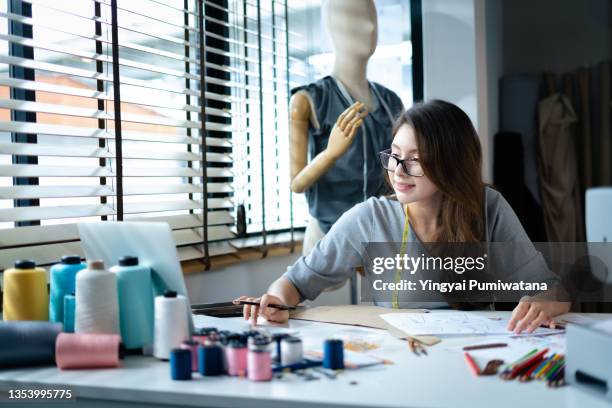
{"x": 151, "y": 242}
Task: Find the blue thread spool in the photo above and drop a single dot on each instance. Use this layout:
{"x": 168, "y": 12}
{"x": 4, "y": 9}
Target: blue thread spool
{"x": 180, "y": 364}
{"x": 62, "y": 282}
{"x": 333, "y": 354}
{"x": 135, "y": 292}
{"x": 69, "y": 305}
{"x": 210, "y": 360}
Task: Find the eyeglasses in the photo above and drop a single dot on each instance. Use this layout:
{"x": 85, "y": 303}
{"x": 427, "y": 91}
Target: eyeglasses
{"x": 411, "y": 166}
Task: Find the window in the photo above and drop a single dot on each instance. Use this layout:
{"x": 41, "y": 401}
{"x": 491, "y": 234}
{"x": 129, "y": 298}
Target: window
{"x": 102, "y": 118}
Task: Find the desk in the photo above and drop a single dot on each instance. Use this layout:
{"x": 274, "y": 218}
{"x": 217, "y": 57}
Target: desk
{"x": 440, "y": 380}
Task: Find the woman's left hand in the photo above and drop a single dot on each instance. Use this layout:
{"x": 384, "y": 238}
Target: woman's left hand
{"x": 530, "y": 314}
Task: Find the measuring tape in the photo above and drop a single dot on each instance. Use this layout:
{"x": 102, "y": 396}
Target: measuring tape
{"x": 398, "y": 273}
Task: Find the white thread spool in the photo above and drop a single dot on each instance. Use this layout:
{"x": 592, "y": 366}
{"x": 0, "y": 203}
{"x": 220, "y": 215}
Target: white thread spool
{"x": 96, "y": 303}
{"x": 291, "y": 351}
{"x": 171, "y": 325}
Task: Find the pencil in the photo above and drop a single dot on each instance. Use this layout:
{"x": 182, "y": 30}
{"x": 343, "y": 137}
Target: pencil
{"x": 472, "y": 364}
{"x": 272, "y": 305}
{"x": 484, "y": 346}
{"x": 527, "y": 363}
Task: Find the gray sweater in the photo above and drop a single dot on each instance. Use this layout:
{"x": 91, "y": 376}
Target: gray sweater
{"x": 334, "y": 258}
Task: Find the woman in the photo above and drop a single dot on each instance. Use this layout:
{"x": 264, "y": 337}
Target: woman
{"x": 434, "y": 167}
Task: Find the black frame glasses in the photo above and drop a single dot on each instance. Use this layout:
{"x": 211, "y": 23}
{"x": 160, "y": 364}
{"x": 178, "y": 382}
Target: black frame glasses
{"x": 385, "y": 155}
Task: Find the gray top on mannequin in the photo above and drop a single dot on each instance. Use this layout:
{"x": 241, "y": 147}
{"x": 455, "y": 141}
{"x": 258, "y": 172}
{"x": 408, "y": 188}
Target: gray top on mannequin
{"x": 327, "y": 115}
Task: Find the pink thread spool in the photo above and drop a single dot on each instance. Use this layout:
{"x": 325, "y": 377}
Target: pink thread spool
{"x": 236, "y": 356}
{"x": 259, "y": 362}
{"x": 87, "y": 350}
{"x": 192, "y": 346}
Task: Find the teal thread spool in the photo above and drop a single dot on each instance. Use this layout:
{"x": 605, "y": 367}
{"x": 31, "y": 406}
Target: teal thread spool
{"x": 62, "y": 280}
{"x": 69, "y": 305}
{"x": 135, "y": 290}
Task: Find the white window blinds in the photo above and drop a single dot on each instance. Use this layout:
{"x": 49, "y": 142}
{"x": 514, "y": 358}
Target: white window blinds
{"x": 101, "y": 118}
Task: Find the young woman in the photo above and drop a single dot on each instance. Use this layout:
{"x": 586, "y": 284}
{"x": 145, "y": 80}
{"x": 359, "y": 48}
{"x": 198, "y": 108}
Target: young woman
{"x": 434, "y": 167}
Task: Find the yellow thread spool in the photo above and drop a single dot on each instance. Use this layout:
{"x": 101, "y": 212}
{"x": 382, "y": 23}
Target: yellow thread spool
{"x": 25, "y": 292}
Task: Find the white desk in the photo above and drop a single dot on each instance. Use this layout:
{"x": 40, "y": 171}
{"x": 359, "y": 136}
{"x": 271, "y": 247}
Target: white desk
{"x": 441, "y": 379}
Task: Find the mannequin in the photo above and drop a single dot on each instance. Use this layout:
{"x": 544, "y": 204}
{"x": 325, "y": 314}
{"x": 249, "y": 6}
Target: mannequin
{"x": 341, "y": 121}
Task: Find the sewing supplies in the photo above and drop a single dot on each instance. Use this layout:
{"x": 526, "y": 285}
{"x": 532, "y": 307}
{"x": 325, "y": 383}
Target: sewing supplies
{"x": 192, "y": 346}
{"x": 291, "y": 350}
{"x": 416, "y": 347}
{"x": 259, "y": 361}
{"x": 236, "y": 356}
{"x": 87, "y": 350}
{"x": 180, "y": 364}
{"x": 333, "y": 354}
{"x": 210, "y": 360}
{"x": 171, "y": 326}
{"x": 201, "y": 335}
{"x": 135, "y": 293}
{"x": 25, "y": 292}
{"x": 69, "y": 307}
{"x": 62, "y": 282}
{"x": 277, "y": 338}
{"x": 28, "y": 343}
{"x": 97, "y": 307}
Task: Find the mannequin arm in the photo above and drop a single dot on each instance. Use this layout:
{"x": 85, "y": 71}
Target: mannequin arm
{"x": 304, "y": 174}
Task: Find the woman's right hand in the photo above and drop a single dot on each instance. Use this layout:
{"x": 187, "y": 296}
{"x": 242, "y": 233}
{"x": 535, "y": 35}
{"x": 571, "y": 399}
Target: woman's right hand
{"x": 345, "y": 129}
{"x": 269, "y": 313}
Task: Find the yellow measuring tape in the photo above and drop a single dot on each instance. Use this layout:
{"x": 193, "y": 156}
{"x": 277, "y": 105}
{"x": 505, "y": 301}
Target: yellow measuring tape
{"x": 398, "y": 273}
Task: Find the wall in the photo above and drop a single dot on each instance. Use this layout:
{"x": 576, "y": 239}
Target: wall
{"x": 555, "y": 35}
{"x": 249, "y": 278}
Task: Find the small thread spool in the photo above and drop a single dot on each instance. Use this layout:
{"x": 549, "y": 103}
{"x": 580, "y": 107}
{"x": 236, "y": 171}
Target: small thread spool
{"x": 69, "y": 306}
{"x": 278, "y": 338}
{"x": 192, "y": 346}
{"x": 180, "y": 364}
{"x": 135, "y": 292}
{"x": 171, "y": 325}
{"x": 291, "y": 351}
{"x": 259, "y": 361}
{"x": 87, "y": 350}
{"x": 210, "y": 360}
{"x": 236, "y": 356}
{"x": 201, "y": 335}
{"x": 25, "y": 292}
{"x": 97, "y": 306}
{"x": 28, "y": 343}
{"x": 333, "y": 354}
{"x": 62, "y": 282}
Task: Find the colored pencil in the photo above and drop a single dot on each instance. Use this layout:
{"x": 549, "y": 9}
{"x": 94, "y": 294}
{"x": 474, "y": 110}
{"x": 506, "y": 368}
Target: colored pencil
{"x": 484, "y": 346}
{"x": 527, "y": 363}
{"x": 472, "y": 364}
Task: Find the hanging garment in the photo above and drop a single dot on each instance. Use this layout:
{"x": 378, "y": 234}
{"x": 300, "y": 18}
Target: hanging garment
{"x": 356, "y": 175}
{"x": 557, "y": 168}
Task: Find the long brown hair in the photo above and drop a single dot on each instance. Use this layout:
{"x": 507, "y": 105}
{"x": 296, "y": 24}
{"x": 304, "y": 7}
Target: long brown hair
{"x": 451, "y": 157}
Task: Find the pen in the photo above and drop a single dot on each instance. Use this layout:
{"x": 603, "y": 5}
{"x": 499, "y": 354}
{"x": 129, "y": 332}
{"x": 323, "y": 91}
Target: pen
{"x": 272, "y": 305}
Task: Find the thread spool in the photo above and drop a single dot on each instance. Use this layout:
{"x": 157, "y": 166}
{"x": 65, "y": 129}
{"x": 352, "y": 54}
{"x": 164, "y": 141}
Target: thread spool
{"x": 69, "y": 307}
{"x": 171, "y": 326}
{"x": 135, "y": 294}
{"x": 259, "y": 361}
{"x": 201, "y": 335}
{"x": 291, "y": 351}
{"x": 28, "y": 343}
{"x": 62, "y": 282}
{"x": 25, "y": 292}
{"x": 278, "y": 338}
{"x": 180, "y": 364}
{"x": 192, "y": 346}
{"x": 87, "y": 350}
{"x": 210, "y": 360}
{"x": 97, "y": 307}
{"x": 236, "y": 356}
{"x": 333, "y": 354}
